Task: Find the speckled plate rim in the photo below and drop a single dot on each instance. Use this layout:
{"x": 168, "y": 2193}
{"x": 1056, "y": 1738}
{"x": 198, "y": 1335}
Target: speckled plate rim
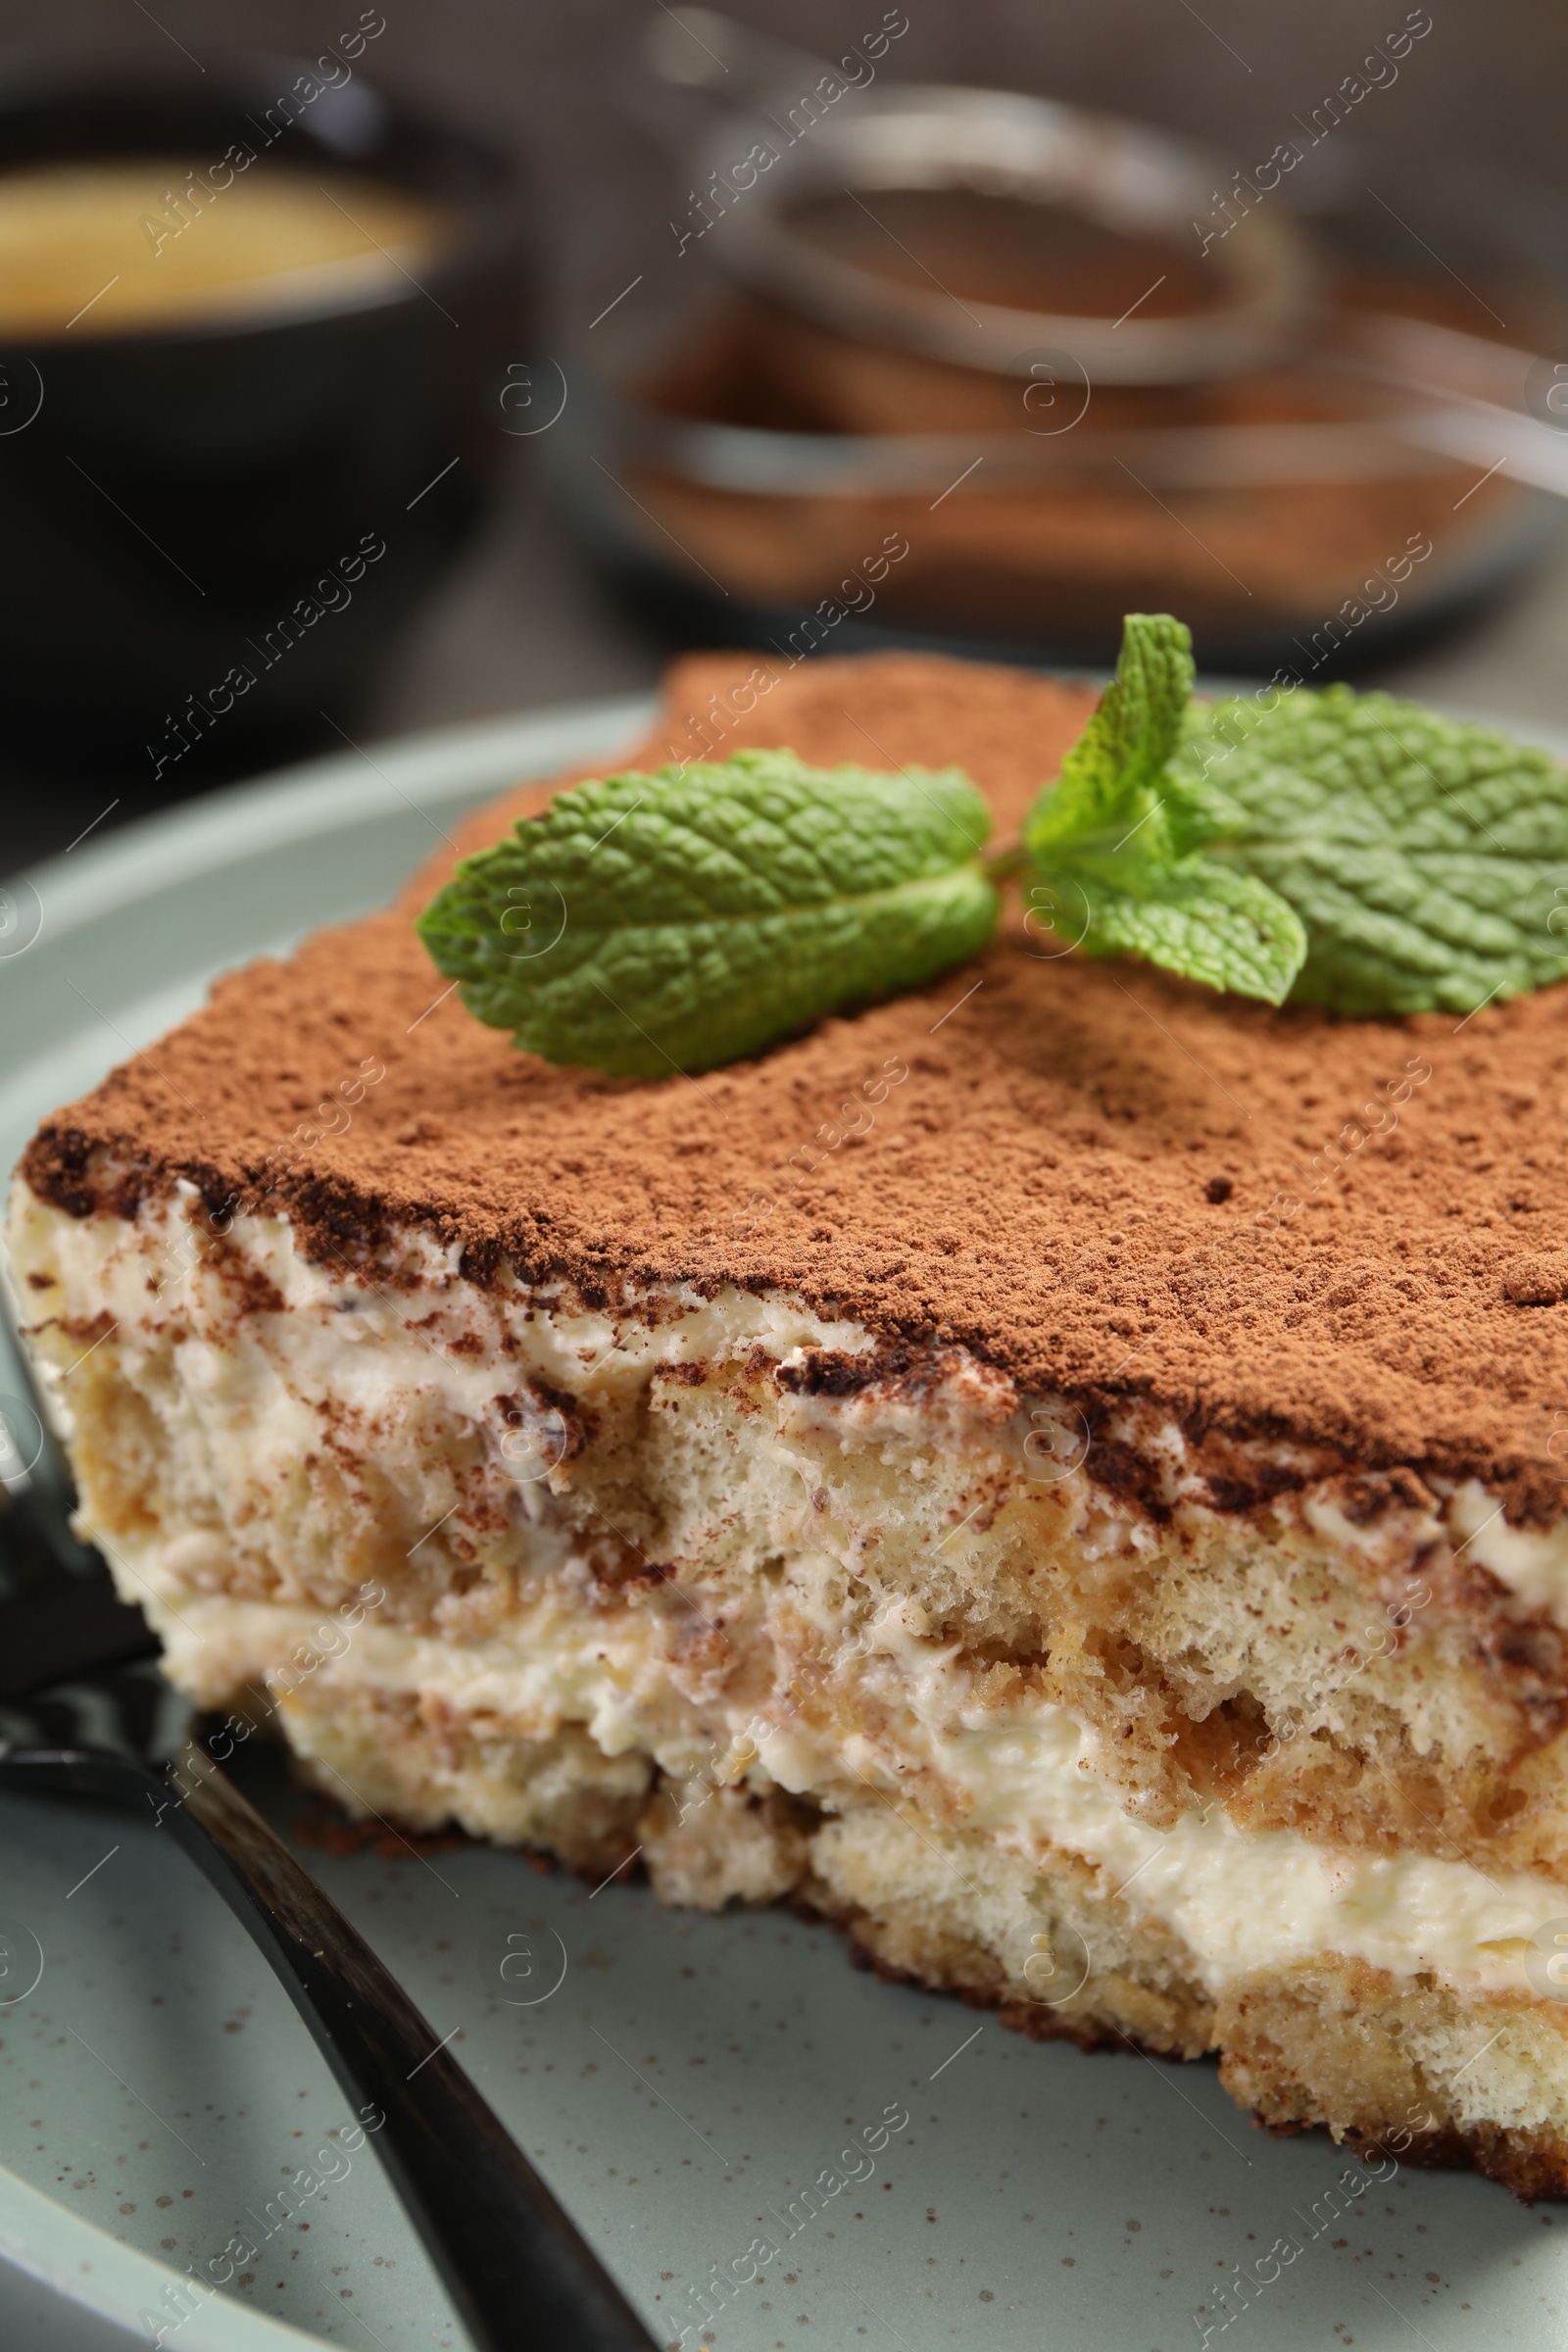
{"x": 77, "y": 2260}
{"x": 200, "y": 838}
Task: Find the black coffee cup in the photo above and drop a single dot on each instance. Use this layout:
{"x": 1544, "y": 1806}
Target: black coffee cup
{"x": 210, "y": 531}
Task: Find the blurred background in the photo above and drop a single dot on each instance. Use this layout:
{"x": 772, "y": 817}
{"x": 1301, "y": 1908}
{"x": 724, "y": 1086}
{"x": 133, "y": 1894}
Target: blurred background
{"x": 643, "y": 333}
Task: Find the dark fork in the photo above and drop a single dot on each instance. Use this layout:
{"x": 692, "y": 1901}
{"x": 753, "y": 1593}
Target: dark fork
{"x": 514, "y": 2266}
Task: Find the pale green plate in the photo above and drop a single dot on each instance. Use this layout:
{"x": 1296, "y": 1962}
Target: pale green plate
{"x": 680, "y": 2079}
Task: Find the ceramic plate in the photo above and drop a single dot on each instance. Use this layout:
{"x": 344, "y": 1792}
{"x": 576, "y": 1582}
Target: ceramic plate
{"x": 680, "y": 2079}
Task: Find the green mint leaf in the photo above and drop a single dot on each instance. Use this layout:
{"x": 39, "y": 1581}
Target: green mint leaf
{"x": 1111, "y": 779}
{"x": 654, "y": 924}
{"x": 1427, "y": 858}
{"x": 1115, "y": 842}
{"x": 1198, "y": 917}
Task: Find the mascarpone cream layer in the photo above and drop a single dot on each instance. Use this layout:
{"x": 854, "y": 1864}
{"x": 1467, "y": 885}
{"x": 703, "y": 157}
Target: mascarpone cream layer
{"x": 1240, "y": 1899}
{"x": 248, "y": 1378}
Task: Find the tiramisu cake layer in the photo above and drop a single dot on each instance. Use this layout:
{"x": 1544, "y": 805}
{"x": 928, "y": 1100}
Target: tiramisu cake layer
{"x": 1061, "y": 1471}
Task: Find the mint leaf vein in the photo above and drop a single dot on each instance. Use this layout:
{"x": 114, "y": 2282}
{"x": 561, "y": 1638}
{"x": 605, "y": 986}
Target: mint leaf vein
{"x": 1427, "y": 856}
{"x": 653, "y": 923}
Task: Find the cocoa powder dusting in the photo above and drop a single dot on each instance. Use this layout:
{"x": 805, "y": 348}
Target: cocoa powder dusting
{"x": 1096, "y": 1178}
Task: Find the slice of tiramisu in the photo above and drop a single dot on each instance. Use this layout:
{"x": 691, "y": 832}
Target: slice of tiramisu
{"x": 1059, "y": 1471}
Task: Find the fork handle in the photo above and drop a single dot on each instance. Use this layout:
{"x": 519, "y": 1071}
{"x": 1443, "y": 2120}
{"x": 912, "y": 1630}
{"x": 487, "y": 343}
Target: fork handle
{"x": 516, "y": 2268}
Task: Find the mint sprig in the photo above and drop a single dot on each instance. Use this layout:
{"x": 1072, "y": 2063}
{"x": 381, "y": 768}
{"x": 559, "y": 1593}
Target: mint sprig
{"x": 654, "y": 924}
{"x": 1123, "y": 830}
{"x": 1347, "y": 850}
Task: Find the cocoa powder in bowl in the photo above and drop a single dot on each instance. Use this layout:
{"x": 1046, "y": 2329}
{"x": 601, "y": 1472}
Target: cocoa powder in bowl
{"x": 1054, "y": 560}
